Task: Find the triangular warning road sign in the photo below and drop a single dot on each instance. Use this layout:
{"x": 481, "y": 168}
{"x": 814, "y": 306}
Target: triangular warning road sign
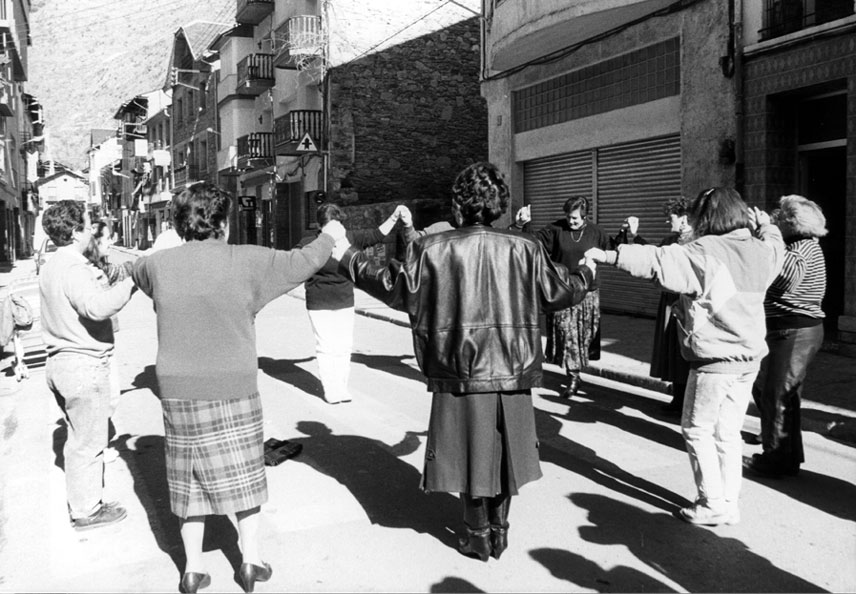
{"x": 306, "y": 145}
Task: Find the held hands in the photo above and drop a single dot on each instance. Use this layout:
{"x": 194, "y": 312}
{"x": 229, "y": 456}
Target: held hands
{"x": 588, "y": 262}
{"x": 631, "y": 224}
{"x": 596, "y": 255}
{"x": 404, "y": 215}
{"x": 758, "y": 218}
{"x": 524, "y": 215}
{"x": 340, "y": 248}
{"x": 335, "y": 230}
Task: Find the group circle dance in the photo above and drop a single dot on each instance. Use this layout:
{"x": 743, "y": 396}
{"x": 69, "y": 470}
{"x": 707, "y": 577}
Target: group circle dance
{"x": 741, "y": 293}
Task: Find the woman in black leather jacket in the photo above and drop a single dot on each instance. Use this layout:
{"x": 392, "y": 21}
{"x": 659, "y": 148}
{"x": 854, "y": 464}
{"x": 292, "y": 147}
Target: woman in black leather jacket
{"x": 474, "y": 295}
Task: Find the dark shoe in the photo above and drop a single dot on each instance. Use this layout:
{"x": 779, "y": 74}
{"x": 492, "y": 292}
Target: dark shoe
{"x": 250, "y": 574}
{"x": 191, "y": 582}
{"x": 574, "y": 383}
{"x": 498, "y": 516}
{"x": 761, "y": 465}
{"x": 476, "y": 544}
{"x": 108, "y": 513}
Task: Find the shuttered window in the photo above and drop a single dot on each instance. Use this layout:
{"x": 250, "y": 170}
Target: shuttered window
{"x": 629, "y": 179}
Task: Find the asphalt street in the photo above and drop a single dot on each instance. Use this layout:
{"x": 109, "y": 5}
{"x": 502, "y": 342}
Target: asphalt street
{"x": 346, "y": 515}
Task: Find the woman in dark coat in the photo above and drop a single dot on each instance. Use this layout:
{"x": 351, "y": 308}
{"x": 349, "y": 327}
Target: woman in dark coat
{"x": 474, "y": 295}
{"x": 667, "y": 363}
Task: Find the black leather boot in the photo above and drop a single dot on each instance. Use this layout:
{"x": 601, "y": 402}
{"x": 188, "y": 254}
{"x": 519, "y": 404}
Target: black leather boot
{"x": 477, "y": 542}
{"x": 498, "y": 517}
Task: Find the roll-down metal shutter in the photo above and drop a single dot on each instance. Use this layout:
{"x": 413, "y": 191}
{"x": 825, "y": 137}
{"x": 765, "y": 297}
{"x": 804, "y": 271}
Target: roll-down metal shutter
{"x": 631, "y": 179}
{"x": 549, "y": 182}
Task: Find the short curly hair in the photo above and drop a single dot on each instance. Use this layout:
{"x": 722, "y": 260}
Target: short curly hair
{"x": 479, "y": 195}
{"x": 62, "y": 219}
{"x": 580, "y": 203}
{"x": 799, "y": 217}
{"x": 201, "y": 212}
{"x": 676, "y": 206}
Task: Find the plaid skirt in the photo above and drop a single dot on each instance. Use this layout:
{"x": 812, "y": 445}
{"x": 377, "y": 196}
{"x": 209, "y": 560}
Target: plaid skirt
{"x": 573, "y": 335}
{"x": 214, "y": 455}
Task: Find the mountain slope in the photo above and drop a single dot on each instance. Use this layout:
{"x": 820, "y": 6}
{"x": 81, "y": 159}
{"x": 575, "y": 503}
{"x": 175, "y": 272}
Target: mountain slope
{"x": 90, "y": 56}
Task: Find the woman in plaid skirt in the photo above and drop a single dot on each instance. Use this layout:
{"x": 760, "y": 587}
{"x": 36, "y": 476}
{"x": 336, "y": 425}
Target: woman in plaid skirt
{"x": 207, "y": 294}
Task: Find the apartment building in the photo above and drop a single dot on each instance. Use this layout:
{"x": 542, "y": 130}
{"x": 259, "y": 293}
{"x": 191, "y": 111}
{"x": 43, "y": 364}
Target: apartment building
{"x": 15, "y": 130}
{"x": 798, "y": 121}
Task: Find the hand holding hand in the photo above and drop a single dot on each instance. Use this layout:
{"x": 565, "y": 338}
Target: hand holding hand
{"x": 596, "y": 255}
{"x": 524, "y": 215}
{"x": 405, "y": 216}
{"x": 758, "y": 218}
{"x": 632, "y": 224}
{"x": 340, "y": 248}
{"x": 588, "y": 262}
{"x": 335, "y": 230}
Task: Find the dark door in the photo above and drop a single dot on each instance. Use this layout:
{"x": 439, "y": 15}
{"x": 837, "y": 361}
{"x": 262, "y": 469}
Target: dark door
{"x": 823, "y": 178}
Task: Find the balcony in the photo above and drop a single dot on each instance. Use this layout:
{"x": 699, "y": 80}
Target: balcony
{"x": 788, "y": 16}
{"x": 290, "y": 129}
{"x": 255, "y": 150}
{"x": 10, "y": 42}
{"x": 255, "y": 74}
{"x": 253, "y": 12}
{"x": 298, "y": 39}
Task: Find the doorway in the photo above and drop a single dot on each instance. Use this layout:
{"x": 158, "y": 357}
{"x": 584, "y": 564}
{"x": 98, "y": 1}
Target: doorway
{"x": 823, "y": 179}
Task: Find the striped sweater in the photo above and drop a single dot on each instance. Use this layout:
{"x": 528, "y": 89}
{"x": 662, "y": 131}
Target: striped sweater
{"x": 800, "y": 286}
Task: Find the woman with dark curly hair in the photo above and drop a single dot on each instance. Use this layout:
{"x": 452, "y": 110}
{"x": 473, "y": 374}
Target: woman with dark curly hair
{"x": 794, "y": 335}
{"x": 474, "y": 294}
{"x": 207, "y": 294}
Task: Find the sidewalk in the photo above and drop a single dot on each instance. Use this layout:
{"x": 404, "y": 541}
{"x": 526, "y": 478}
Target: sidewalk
{"x": 829, "y": 397}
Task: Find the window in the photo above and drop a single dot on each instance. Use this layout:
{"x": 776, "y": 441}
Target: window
{"x": 203, "y": 100}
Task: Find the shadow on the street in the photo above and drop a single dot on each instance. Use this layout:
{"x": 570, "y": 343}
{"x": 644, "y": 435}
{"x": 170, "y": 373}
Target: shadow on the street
{"x": 840, "y": 428}
{"x": 147, "y": 466}
{"x": 386, "y": 487}
{"x": 454, "y": 585}
{"x": 699, "y": 559}
{"x": 822, "y": 492}
{"x": 586, "y": 574}
{"x": 585, "y": 462}
{"x": 288, "y": 371}
{"x": 393, "y": 364}
{"x": 145, "y": 379}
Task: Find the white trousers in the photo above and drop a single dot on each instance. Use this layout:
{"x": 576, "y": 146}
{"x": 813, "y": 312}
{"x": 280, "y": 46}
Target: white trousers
{"x": 334, "y": 340}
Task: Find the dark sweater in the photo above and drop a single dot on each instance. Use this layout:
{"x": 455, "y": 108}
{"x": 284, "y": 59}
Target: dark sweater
{"x": 207, "y": 295}
{"x": 328, "y": 289}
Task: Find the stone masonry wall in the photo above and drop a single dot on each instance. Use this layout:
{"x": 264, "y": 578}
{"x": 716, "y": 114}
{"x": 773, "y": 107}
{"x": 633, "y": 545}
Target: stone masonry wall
{"x": 405, "y": 121}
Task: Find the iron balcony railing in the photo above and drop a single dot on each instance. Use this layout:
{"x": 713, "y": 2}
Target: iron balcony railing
{"x": 298, "y": 38}
{"x": 255, "y": 74}
{"x": 253, "y": 12}
{"x": 787, "y": 16}
{"x": 255, "y": 150}
{"x": 290, "y": 128}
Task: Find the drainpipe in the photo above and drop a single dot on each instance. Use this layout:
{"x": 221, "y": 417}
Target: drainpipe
{"x": 739, "y": 150}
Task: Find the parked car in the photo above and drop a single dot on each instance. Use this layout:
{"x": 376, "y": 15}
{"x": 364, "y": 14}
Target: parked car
{"x": 43, "y": 254}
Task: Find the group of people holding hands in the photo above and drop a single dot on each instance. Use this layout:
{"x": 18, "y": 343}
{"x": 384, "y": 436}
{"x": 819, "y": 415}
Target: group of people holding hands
{"x": 474, "y": 294}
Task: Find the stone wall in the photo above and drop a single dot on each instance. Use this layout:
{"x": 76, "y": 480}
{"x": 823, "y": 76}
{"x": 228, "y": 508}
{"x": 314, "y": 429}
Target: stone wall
{"x": 404, "y": 121}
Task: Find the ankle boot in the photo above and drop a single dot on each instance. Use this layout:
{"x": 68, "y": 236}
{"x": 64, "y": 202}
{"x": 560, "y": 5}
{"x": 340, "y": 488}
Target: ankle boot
{"x": 477, "y": 542}
{"x": 498, "y": 516}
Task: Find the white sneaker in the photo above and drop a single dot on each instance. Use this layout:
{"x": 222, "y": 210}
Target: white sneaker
{"x": 702, "y": 515}
{"x": 109, "y": 454}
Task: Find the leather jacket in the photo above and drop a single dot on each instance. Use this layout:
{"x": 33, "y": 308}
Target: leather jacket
{"x": 474, "y": 295}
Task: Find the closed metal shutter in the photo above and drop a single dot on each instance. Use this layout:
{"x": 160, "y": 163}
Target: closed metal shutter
{"x": 549, "y": 182}
{"x": 631, "y": 179}
{"x": 635, "y": 179}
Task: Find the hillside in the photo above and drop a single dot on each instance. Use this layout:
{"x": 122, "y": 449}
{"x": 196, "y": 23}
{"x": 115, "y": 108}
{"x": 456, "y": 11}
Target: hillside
{"x": 90, "y": 56}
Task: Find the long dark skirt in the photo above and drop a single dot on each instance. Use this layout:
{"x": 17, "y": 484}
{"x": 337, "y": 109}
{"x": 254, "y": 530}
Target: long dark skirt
{"x": 481, "y": 444}
{"x": 667, "y": 363}
{"x": 573, "y": 335}
{"x": 214, "y": 455}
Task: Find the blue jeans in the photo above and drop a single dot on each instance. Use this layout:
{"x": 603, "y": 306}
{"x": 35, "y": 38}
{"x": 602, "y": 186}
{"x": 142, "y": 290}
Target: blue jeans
{"x": 714, "y": 408}
{"x": 82, "y": 388}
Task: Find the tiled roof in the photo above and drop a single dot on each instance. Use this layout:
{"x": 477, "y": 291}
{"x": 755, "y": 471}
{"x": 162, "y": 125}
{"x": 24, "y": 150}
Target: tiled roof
{"x": 200, "y": 34}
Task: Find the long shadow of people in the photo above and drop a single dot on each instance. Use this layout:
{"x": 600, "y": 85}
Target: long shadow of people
{"x": 694, "y": 557}
{"x": 144, "y": 457}
{"x": 585, "y": 462}
{"x": 393, "y": 364}
{"x": 586, "y": 574}
{"x": 288, "y": 371}
{"x": 826, "y": 493}
{"x": 386, "y": 487}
